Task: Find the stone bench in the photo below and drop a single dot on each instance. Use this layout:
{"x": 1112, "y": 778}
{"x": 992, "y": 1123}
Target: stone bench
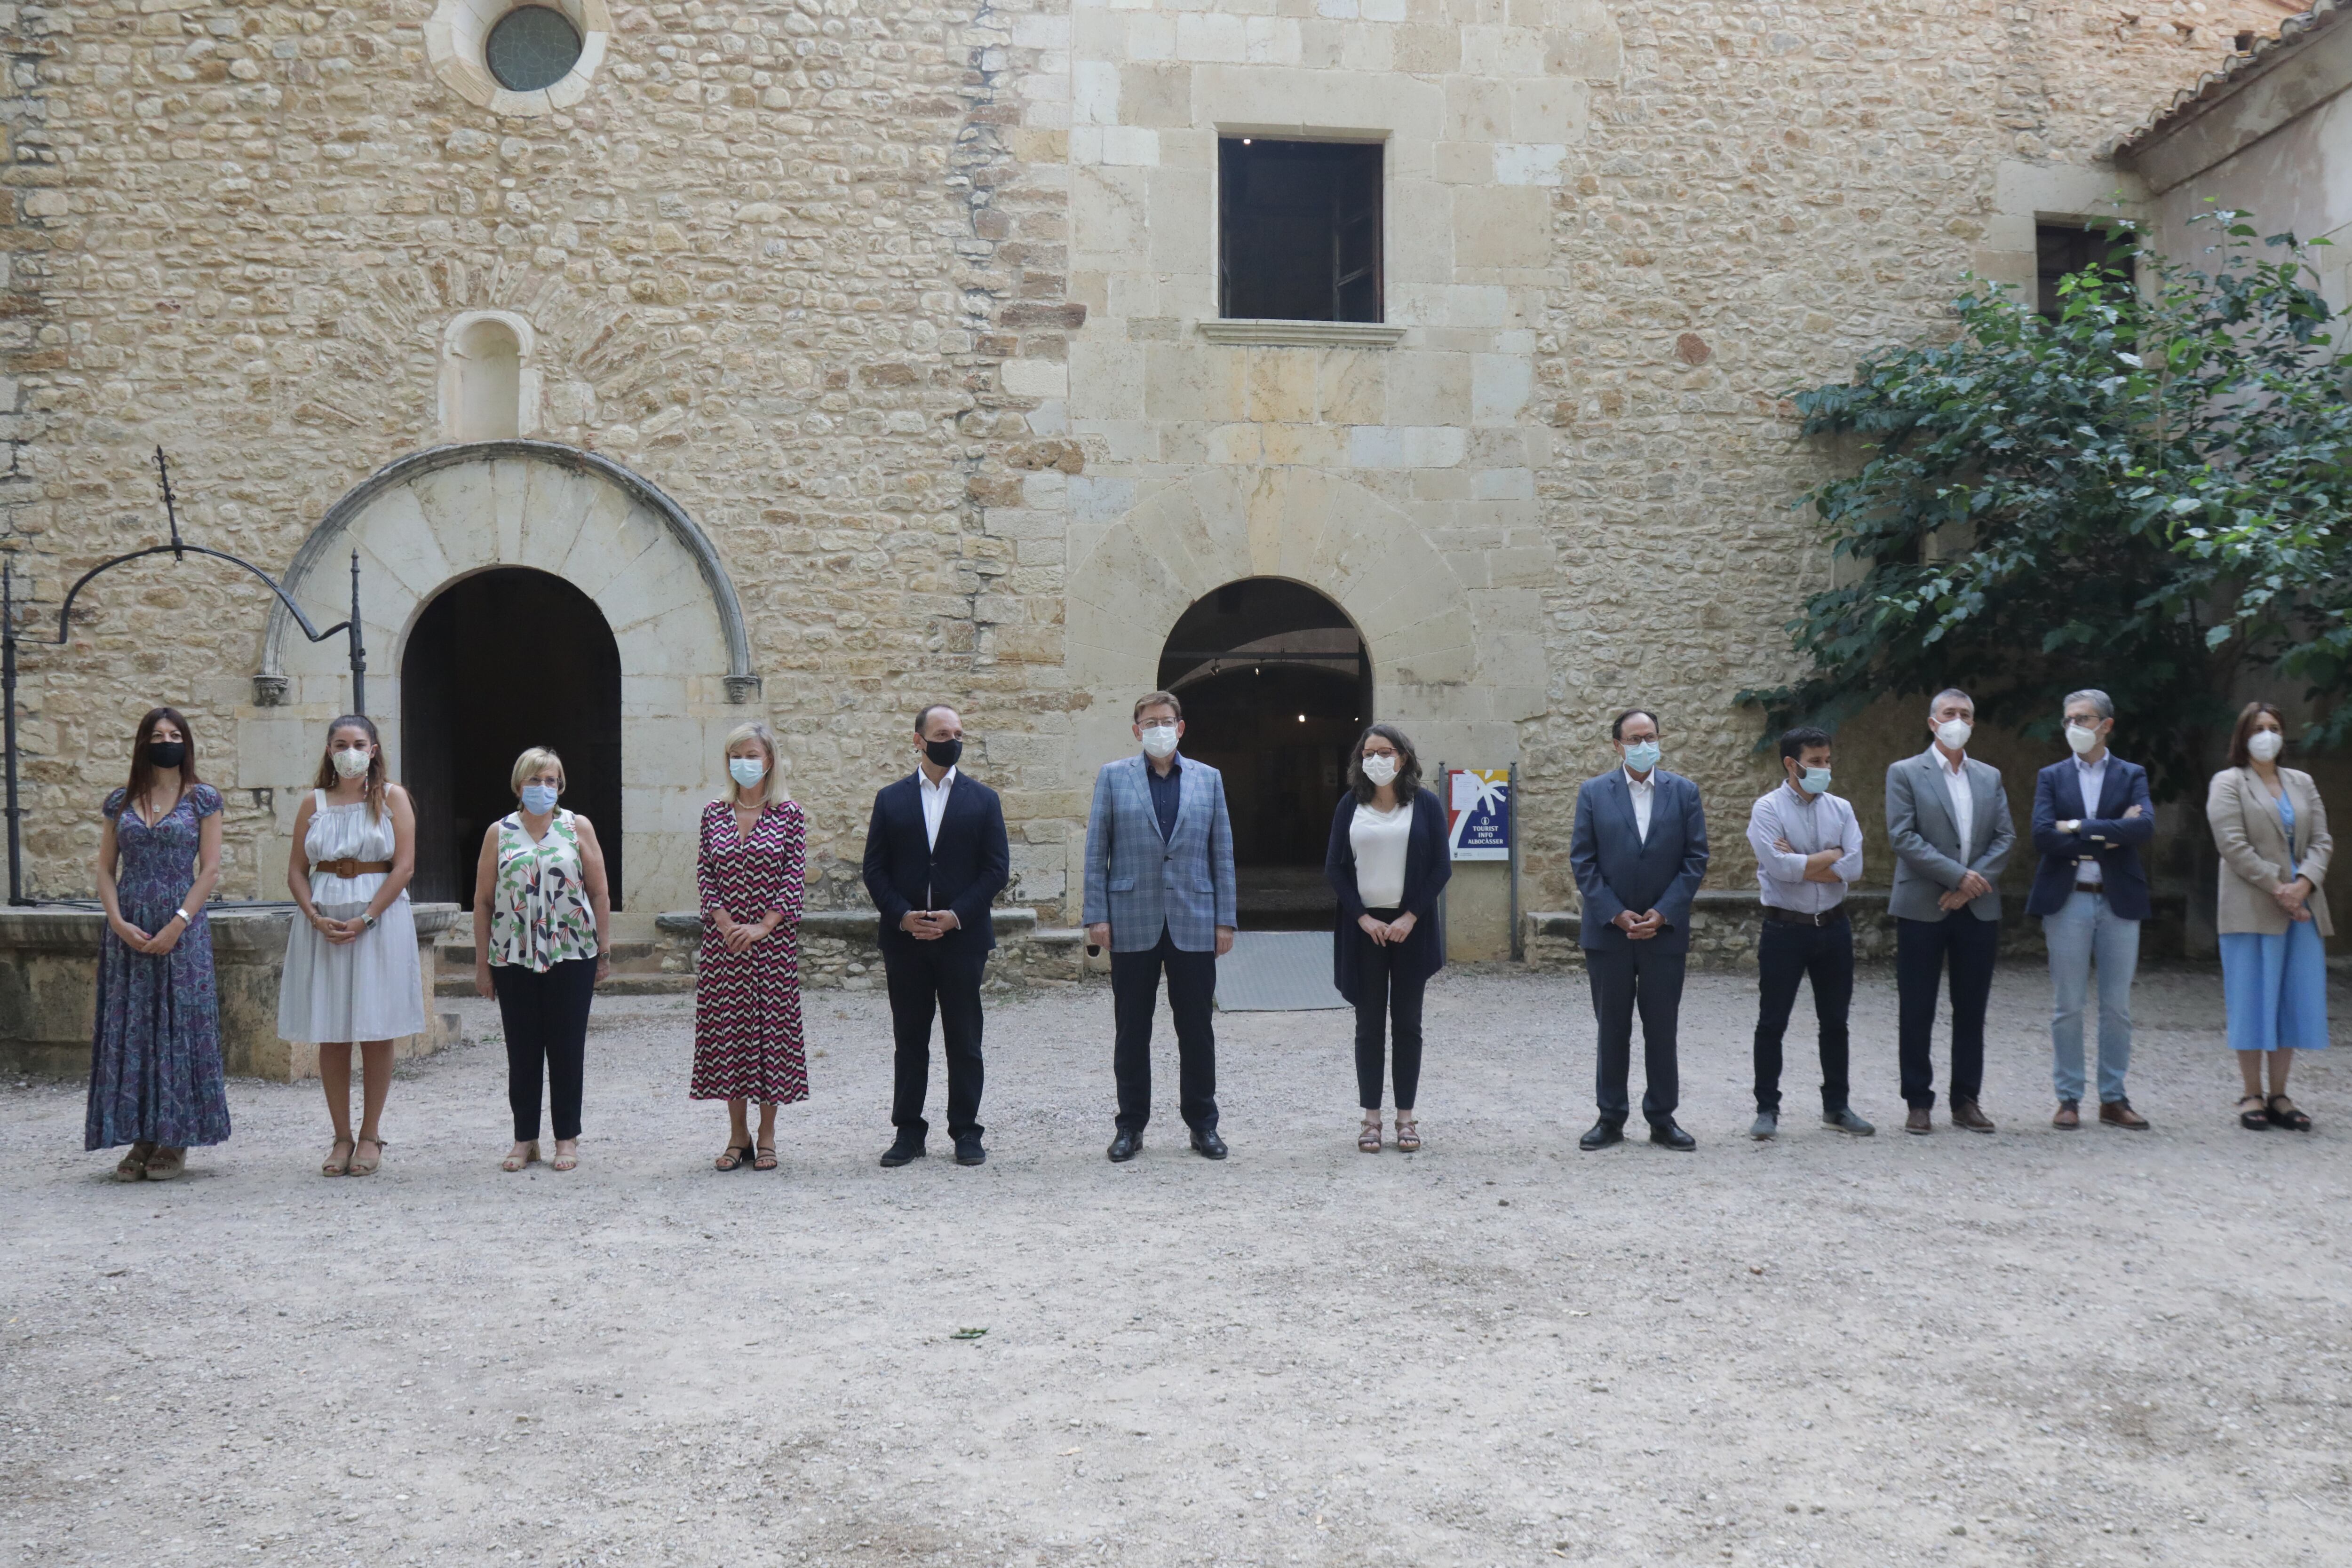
{"x": 48, "y": 989}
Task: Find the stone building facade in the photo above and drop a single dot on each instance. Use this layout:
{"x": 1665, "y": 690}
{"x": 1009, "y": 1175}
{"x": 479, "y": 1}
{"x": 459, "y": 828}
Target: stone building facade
{"x": 842, "y": 355}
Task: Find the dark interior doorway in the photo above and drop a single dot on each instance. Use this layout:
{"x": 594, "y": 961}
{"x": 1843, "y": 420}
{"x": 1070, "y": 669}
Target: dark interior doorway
{"x": 1277, "y": 684}
{"x": 500, "y": 662}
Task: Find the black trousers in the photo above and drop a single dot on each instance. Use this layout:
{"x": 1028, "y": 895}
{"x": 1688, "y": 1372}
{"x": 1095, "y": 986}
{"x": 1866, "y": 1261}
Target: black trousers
{"x": 1647, "y": 977}
{"x": 1135, "y": 998}
{"x": 932, "y": 976}
{"x": 1389, "y": 1002}
{"x": 546, "y": 1017}
{"x": 1786, "y": 956}
{"x": 1921, "y": 948}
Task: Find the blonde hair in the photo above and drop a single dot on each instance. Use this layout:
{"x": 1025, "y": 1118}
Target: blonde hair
{"x": 771, "y": 787}
{"x": 531, "y": 762}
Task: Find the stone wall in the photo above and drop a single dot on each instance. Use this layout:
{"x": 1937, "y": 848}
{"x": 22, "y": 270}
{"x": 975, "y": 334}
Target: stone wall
{"x": 900, "y": 303}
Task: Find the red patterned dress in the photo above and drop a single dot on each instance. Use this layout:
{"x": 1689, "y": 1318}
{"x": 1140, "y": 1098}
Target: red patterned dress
{"x": 747, "y": 1005}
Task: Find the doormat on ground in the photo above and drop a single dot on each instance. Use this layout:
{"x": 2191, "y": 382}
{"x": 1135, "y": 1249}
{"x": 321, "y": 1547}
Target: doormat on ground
{"x": 1277, "y": 971}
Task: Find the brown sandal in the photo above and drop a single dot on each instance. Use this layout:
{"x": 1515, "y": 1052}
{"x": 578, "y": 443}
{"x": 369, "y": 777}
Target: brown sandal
{"x": 1408, "y": 1136}
{"x": 732, "y": 1158}
{"x": 338, "y": 1157}
{"x": 1368, "y": 1137}
{"x": 766, "y": 1158}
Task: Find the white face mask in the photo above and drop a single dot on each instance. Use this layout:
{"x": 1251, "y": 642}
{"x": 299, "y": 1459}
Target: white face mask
{"x": 2265, "y": 744}
{"x": 1379, "y": 769}
{"x": 2082, "y": 740}
{"x": 1158, "y": 739}
{"x": 350, "y": 761}
{"x": 1954, "y": 734}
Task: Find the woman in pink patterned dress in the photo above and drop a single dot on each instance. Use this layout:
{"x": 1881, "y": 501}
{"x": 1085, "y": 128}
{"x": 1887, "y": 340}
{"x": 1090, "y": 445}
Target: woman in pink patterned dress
{"x": 747, "y": 986}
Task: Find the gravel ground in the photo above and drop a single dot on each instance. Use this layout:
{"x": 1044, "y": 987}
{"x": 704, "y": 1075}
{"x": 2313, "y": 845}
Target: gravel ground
{"x": 2036, "y": 1347}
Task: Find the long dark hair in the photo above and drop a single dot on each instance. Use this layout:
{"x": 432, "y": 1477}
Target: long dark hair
{"x": 329, "y": 779}
{"x": 143, "y": 772}
{"x": 1408, "y": 779}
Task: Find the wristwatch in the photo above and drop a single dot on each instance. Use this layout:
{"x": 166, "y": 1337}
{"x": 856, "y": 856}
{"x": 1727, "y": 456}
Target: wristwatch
{"x": 368, "y": 921}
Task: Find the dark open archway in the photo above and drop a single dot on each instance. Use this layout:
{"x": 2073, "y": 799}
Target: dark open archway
{"x": 499, "y": 662}
{"x": 1277, "y": 684}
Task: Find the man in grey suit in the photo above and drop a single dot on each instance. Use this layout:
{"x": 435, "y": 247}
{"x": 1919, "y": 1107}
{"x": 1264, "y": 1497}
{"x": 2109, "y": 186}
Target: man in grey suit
{"x": 1159, "y": 896}
{"x": 1639, "y": 850}
{"x": 1948, "y": 821}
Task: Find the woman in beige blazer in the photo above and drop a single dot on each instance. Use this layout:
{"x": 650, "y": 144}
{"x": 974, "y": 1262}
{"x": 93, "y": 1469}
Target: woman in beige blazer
{"x": 2272, "y": 832}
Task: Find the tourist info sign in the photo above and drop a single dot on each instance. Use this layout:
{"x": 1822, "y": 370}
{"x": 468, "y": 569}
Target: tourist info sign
{"x": 1478, "y": 813}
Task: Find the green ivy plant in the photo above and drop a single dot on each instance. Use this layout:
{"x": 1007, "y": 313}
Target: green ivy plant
{"x": 2147, "y": 494}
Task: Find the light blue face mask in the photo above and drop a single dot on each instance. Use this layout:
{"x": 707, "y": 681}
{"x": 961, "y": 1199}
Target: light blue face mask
{"x": 1642, "y": 756}
{"x": 1816, "y": 781}
{"x": 538, "y": 800}
{"x": 746, "y": 770}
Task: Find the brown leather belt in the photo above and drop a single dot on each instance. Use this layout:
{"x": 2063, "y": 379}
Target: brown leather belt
{"x": 1797, "y": 918}
{"x": 2089, "y": 887}
{"x": 348, "y": 867}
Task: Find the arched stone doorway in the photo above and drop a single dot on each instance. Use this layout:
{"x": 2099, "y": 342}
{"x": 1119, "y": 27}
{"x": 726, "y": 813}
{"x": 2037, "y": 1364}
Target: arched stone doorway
{"x": 1276, "y": 684}
{"x": 498, "y": 662}
{"x": 424, "y": 525}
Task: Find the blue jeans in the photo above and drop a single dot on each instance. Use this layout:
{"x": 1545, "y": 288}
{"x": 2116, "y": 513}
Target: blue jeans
{"x": 2087, "y": 929}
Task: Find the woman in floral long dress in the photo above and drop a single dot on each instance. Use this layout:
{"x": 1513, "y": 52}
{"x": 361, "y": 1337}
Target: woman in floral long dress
{"x": 155, "y": 1079}
{"x": 747, "y": 986}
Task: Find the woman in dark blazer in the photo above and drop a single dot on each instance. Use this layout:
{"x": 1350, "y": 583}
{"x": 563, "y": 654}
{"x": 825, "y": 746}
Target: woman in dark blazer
{"x": 1386, "y": 862}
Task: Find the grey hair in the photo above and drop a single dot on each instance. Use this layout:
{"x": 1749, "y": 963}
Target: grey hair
{"x": 2095, "y": 697}
{"x": 1937, "y": 700}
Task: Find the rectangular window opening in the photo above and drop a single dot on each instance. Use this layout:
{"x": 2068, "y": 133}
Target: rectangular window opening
{"x": 1298, "y": 230}
{"x": 2060, "y": 249}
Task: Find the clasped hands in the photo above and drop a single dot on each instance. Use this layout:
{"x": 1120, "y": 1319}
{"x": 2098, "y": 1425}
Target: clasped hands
{"x": 929, "y": 924}
{"x": 739, "y": 935}
{"x": 339, "y": 932}
{"x": 2290, "y": 896}
{"x": 1387, "y": 931}
{"x": 154, "y": 946}
{"x": 1640, "y": 927}
{"x": 1972, "y": 887}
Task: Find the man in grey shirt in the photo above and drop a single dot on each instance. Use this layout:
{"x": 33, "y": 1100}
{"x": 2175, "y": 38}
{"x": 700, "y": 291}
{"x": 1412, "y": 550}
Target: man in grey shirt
{"x": 1808, "y": 849}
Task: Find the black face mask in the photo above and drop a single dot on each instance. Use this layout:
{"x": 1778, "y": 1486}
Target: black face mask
{"x": 944, "y": 752}
{"x": 167, "y": 753}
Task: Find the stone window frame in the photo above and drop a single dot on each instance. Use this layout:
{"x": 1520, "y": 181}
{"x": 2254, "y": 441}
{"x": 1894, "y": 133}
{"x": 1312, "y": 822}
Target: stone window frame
{"x": 457, "y": 37}
{"x": 452, "y": 390}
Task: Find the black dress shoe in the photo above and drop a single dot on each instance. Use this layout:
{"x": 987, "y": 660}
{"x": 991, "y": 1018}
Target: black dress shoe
{"x": 1125, "y": 1148}
{"x": 1206, "y": 1143}
{"x": 1672, "y": 1137}
{"x": 903, "y": 1152}
{"x": 969, "y": 1152}
{"x": 1603, "y": 1133}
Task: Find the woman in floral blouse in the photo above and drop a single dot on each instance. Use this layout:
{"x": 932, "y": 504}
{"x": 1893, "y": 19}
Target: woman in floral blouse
{"x": 542, "y": 931}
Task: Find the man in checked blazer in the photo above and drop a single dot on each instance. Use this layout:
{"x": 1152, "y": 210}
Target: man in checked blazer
{"x": 1948, "y": 822}
{"x": 1159, "y": 896}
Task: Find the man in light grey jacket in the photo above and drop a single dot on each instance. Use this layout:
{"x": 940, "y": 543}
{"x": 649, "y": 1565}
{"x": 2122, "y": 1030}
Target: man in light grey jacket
{"x": 1948, "y": 821}
{"x": 1159, "y": 894}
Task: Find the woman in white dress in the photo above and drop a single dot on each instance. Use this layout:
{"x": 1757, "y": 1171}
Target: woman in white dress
{"x": 352, "y": 970}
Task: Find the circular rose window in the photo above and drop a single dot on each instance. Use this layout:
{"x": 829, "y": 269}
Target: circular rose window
{"x": 518, "y": 57}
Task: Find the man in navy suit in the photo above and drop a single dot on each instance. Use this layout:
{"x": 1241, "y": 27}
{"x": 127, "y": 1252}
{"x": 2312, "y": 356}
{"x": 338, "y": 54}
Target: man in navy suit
{"x": 1639, "y": 851}
{"x": 2091, "y": 814}
{"x": 936, "y": 857}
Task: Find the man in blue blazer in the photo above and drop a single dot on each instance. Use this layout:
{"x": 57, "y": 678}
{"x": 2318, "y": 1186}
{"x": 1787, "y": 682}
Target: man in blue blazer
{"x": 1639, "y": 851}
{"x": 1159, "y": 896}
{"x": 2091, "y": 814}
{"x": 936, "y": 857}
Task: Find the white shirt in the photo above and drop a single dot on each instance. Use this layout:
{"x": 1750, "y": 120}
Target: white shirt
{"x": 1826, "y": 821}
{"x": 2092, "y": 777}
{"x": 1380, "y": 840}
{"x": 1645, "y": 795}
{"x": 1963, "y": 796}
{"x": 935, "y": 802}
